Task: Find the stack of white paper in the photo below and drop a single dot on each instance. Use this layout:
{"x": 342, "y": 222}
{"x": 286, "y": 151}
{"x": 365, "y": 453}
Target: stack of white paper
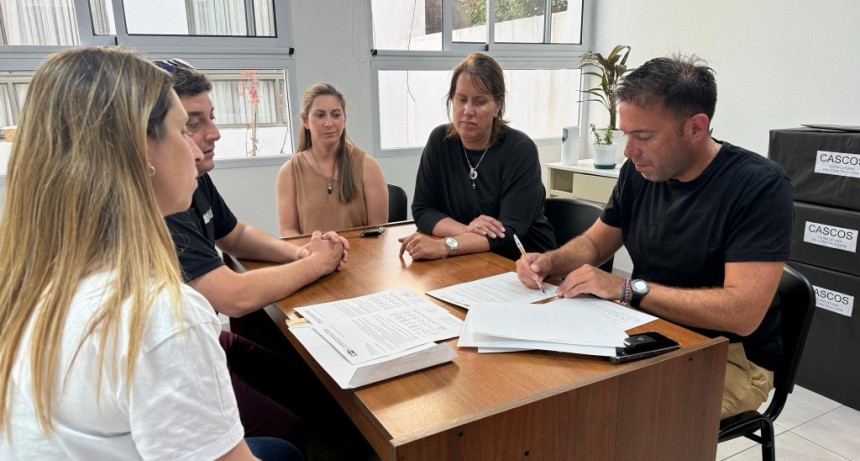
{"x": 370, "y": 338}
{"x": 582, "y": 325}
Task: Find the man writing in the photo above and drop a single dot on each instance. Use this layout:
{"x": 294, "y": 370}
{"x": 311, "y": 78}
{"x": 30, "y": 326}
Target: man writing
{"x": 707, "y": 225}
{"x": 266, "y": 403}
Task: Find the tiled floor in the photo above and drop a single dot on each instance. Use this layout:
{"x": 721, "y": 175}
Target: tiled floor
{"x": 811, "y": 427}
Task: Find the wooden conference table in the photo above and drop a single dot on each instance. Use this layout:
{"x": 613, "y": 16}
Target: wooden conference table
{"x": 524, "y": 405}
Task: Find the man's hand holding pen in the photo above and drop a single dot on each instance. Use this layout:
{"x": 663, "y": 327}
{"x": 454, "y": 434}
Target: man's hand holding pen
{"x": 533, "y": 268}
{"x": 523, "y": 253}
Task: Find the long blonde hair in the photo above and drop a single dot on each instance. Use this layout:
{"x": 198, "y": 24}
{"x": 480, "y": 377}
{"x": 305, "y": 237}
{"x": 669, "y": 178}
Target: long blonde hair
{"x": 346, "y": 190}
{"x": 79, "y": 201}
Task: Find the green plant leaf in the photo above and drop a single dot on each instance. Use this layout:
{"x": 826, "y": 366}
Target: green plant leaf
{"x": 609, "y": 69}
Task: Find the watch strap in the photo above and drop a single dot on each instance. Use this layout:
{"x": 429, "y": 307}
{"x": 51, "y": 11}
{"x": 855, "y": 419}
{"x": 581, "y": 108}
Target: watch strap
{"x": 636, "y": 299}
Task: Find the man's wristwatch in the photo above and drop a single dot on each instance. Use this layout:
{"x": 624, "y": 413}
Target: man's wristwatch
{"x": 639, "y": 288}
{"x": 452, "y": 245}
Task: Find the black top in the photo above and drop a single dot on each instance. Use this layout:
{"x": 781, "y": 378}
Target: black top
{"x": 681, "y": 234}
{"x": 508, "y": 188}
{"x": 195, "y": 231}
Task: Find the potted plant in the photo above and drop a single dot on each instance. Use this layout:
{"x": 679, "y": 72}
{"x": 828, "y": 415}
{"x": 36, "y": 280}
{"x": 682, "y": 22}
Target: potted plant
{"x": 609, "y": 70}
{"x": 604, "y": 149}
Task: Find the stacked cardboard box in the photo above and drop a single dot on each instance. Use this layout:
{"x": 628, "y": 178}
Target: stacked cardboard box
{"x": 824, "y": 167}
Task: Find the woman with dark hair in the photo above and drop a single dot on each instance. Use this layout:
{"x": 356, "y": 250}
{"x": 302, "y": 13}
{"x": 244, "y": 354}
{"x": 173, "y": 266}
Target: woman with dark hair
{"x": 330, "y": 184}
{"x": 479, "y": 181}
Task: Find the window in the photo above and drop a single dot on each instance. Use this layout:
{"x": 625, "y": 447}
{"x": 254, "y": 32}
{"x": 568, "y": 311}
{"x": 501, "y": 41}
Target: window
{"x": 539, "y": 102}
{"x": 255, "y": 34}
{"x": 13, "y": 91}
{"x": 236, "y": 108}
{"x": 417, "y": 43}
{"x": 38, "y": 22}
{"x": 194, "y": 17}
{"x": 524, "y": 21}
{"x": 418, "y": 25}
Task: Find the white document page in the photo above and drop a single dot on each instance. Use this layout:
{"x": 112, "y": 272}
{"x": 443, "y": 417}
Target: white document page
{"x": 377, "y": 325}
{"x": 585, "y": 325}
{"x": 501, "y": 288}
{"x": 546, "y": 323}
{"x": 377, "y": 302}
{"x": 494, "y": 344}
{"x": 622, "y": 316}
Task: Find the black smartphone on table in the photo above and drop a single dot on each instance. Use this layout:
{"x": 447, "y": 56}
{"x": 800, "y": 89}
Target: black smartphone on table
{"x": 643, "y": 345}
{"x": 372, "y": 232}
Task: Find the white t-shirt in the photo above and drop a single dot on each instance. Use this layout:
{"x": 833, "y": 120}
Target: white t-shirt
{"x": 180, "y": 404}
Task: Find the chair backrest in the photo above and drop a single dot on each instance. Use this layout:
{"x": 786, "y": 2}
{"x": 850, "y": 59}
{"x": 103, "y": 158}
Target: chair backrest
{"x": 796, "y": 307}
{"x": 396, "y": 203}
{"x": 571, "y": 217}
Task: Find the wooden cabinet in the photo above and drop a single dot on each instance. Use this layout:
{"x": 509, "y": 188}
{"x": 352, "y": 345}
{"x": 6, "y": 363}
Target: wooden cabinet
{"x": 581, "y": 181}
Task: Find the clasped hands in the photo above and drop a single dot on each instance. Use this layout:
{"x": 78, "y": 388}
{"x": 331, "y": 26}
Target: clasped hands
{"x": 330, "y": 246}
{"x": 587, "y": 279}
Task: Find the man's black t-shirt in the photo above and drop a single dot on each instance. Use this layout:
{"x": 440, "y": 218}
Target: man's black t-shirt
{"x": 682, "y": 234}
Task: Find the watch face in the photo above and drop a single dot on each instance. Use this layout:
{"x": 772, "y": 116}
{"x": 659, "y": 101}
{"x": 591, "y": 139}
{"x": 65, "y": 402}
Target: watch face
{"x": 639, "y": 286}
{"x": 452, "y": 243}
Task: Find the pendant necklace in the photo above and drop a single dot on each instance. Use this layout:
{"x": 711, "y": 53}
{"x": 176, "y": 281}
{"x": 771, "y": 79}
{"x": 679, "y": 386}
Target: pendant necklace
{"x": 473, "y": 170}
{"x": 328, "y": 179}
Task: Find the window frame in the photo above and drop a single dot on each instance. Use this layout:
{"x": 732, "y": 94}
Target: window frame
{"x": 229, "y": 53}
{"x": 510, "y": 56}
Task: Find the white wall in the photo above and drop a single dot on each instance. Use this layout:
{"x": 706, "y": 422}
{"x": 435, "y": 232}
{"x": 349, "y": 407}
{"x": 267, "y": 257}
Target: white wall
{"x": 779, "y": 63}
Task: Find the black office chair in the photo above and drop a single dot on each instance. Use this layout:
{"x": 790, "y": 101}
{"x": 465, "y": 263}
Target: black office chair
{"x": 571, "y": 217}
{"x": 796, "y": 306}
{"x": 396, "y": 203}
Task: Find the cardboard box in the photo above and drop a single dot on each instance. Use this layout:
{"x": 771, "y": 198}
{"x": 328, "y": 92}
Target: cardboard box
{"x": 824, "y": 165}
{"x": 832, "y": 351}
{"x": 826, "y": 237}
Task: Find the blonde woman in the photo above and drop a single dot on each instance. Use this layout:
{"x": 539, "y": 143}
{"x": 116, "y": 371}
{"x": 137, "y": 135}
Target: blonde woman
{"x": 330, "y": 184}
{"x": 105, "y": 354}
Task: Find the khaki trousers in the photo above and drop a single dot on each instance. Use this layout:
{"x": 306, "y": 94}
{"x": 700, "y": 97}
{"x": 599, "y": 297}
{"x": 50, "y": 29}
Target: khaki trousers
{"x": 747, "y": 385}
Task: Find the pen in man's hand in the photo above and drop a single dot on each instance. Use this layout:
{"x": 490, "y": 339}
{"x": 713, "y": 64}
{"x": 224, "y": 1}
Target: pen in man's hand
{"x": 523, "y": 252}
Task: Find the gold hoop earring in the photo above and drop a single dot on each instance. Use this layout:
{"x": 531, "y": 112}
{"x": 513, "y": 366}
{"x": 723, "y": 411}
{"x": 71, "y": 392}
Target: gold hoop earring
{"x": 150, "y": 169}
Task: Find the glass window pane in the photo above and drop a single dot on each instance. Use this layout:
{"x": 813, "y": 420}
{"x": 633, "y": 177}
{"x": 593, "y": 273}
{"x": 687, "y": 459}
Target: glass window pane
{"x": 411, "y": 104}
{"x": 541, "y": 102}
{"x": 192, "y": 17}
{"x": 566, "y": 21}
{"x": 400, "y": 25}
{"x": 38, "y": 22}
{"x": 520, "y": 21}
{"x": 248, "y": 105}
{"x": 470, "y": 21}
{"x": 264, "y": 18}
{"x": 21, "y": 92}
{"x": 6, "y": 115}
{"x": 101, "y": 12}
{"x": 13, "y": 91}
